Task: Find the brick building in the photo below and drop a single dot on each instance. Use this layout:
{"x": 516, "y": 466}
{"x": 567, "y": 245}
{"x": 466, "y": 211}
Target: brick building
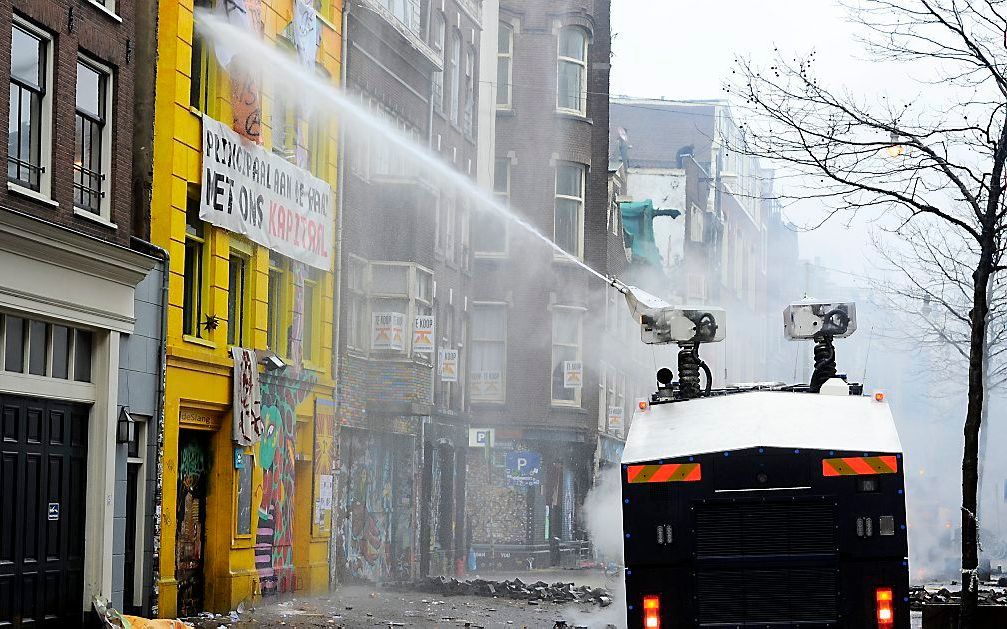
{"x": 537, "y": 376}
{"x": 80, "y": 318}
{"x": 405, "y": 284}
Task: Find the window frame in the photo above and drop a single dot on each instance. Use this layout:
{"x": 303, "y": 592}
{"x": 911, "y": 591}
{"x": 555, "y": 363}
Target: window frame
{"x": 562, "y": 59}
{"x": 358, "y": 297}
{"x": 311, "y": 348}
{"x": 239, "y": 335}
{"x": 508, "y": 58}
{"x": 578, "y": 392}
{"x": 277, "y": 310}
{"x": 45, "y": 139}
{"x": 455, "y": 60}
{"x": 105, "y": 121}
{"x": 582, "y": 168}
{"x": 438, "y": 32}
{"x": 502, "y": 342}
{"x": 201, "y": 293}
{"x": 72, "y": 348}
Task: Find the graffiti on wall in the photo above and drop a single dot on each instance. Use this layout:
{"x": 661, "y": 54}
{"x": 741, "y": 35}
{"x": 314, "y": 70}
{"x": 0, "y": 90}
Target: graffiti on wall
{"x": 191, "y": 521}
{"x": 323, "y": 459}
{"x": 378, "y": 536}
{"x": 274, "y": 542}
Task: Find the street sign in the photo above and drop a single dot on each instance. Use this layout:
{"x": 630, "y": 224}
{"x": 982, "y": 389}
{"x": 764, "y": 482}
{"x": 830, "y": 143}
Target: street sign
{"x": 53, "y": 511}
{"x": 481, "y": 437}
{"x": 523, "y": 468}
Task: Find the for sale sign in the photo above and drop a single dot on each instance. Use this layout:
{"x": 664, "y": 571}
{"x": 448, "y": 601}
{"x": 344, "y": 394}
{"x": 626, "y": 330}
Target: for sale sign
{"x": 258, "y": 194}
{"x": 388, "y": 330}
{"x": 423, "y": 334}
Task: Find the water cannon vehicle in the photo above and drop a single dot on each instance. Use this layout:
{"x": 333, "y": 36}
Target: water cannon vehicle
{"x": 764, "y": 504}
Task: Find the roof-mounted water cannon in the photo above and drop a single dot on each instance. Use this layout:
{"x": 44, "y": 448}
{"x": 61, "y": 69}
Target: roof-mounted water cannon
{"x": 689, "y": 327}
{"x": 822, "y": 322}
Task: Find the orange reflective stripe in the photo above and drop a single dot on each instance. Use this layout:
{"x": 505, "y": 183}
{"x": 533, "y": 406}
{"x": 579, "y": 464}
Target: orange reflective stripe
{"x": 666, "y": 473}
{"x": 860, "y": 465}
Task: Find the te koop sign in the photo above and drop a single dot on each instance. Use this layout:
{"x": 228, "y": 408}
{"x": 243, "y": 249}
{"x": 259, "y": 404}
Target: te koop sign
{"x": 253, "y": 192}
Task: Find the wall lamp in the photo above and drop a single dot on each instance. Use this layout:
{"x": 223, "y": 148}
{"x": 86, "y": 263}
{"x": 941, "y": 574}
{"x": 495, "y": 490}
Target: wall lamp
{"x": 125, "y": 427}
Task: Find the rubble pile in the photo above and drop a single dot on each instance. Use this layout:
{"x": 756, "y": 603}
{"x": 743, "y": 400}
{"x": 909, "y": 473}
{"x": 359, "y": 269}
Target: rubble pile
{"x": 919, "y": 597}
{"x": 540, "y": 591}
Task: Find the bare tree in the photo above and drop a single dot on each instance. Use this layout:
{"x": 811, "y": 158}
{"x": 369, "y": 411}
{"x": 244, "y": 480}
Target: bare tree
{"x": 935, "y": 164}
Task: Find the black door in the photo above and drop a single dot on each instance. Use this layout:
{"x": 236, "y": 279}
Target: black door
{"x": 43, "y": 473}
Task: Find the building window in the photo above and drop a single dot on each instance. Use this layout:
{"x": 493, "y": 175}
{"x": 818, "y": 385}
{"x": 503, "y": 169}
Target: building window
{"x": 566, "y": 347}
{"x": 505, "y": 65}
{"x": 237, "y": 298}
{"x": 193, "y": 278}
{"x": 400, "y": 291}
{"x": 453, "y": 76}
{"x": 276, "y": 307}
{"x": 29, "y": 119}
{"x": 572, "y": 70}
{"x": 437, "y": 41}
{"x": 407, "y": 12}
{"x": 488, "y": 367}
{"x": 490, "y": 235}
{"x": 44, "y": 349}
{"x": 312, "y": 315}
{"x": 468, "y": 122}
{"x": 93, "y": 137}
{"x": 283, "y": 124}
{"x": 358, "y": 314}
{"x": 447, "y": 225}
{"x": 201, "y": 74}
{"x": 568, "y": 230}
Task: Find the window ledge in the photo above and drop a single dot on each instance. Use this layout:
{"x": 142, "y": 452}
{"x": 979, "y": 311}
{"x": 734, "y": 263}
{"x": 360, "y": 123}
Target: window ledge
{"x": 31, "y": 194}
{"x": 506, "y": 111}
{"x": 94, "y": 217}
{"x": 195, "y": 340}
{"x": 573, "y": 115}
{"x": 101, "y": 7}
{"x": 490, "y": 256}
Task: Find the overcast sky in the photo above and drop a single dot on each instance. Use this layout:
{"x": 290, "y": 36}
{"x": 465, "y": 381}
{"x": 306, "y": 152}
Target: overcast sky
{"x": 684, "y": 49}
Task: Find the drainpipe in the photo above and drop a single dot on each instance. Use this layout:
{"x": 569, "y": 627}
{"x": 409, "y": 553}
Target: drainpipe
{"x": 338, "y": 274}
{"x": 161, "y": 253}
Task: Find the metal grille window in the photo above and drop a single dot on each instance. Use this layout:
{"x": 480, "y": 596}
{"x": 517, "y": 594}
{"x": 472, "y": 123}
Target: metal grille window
{"x": 192, "y": 279}
{"x": 505, "y": 61}
{"x": 568, "y": 231}
{"x": 89, "y": 174}
{"x": 25, "y": 127}
{"x": 572, "y": 70}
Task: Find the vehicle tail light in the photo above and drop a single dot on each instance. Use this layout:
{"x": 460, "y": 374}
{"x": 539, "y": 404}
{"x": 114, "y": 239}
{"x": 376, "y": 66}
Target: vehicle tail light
{"x": 886, "y": 609}
{"x": 652, "y": 612}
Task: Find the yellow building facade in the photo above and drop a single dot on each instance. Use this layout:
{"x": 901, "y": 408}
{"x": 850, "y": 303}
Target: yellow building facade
{"x": 240, "y": 522}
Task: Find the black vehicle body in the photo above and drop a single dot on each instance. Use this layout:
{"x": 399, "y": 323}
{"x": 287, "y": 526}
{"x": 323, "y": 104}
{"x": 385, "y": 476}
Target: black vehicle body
{"x": 774, "y": 528}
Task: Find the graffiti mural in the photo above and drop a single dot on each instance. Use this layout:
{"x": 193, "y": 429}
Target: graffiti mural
{"x": 274, "y": 542}
{"x": 190, "y": 516}
{"x": 378, "y": 526}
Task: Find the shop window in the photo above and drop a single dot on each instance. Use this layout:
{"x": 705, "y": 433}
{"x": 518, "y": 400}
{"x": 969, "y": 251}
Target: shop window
{"x": 38, "y": 348}
{"x": 14, "y": 338}
{"x": 194, "y": 274}
{"x": 488, "y": 367}
{"x": 569, "y": 218}
{"x": 505, "y": 65}
{"x": 93, "y": 135}
{"x": 237, "y": 298}
{"x": 82, "y": 345}
{"x": 572, "y": 70}
{"x": 30, "y": 113}
{"x": 566, "y": 347}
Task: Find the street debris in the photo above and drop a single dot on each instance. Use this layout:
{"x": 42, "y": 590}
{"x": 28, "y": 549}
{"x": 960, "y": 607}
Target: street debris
{"x": 920, "y": 597}
{"x": 517, "y": 589}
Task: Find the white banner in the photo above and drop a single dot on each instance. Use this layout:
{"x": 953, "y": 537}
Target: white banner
{"x": 253, "y": 192}
{"x": 423, "y": 334}
{"x": 247, "y": 406}
{"x": 388, "y": 330}
{"x": 486, "y": 386}
{"x": 573, "y": 374}
{"x": 615, "y": 417}
{"x": 449, "y": 365}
